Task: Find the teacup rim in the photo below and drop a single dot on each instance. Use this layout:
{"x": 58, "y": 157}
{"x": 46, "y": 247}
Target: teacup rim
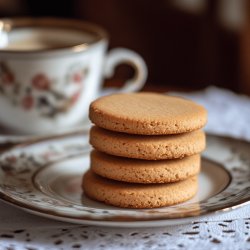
{"x": 16, "y": 22}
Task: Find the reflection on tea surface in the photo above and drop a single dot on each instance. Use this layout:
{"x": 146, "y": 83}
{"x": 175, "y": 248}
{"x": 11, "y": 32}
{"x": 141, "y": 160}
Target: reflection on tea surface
{"x": 43, "y": 38}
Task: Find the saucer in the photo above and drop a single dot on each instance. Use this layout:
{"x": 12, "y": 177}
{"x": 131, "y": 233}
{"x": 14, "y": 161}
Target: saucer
{"x": 44, "y": 178}
{"x": 7, "y": 136}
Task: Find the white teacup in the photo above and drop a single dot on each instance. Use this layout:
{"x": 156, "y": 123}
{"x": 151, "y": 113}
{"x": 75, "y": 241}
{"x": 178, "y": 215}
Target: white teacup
{"x": 51, "y": 69}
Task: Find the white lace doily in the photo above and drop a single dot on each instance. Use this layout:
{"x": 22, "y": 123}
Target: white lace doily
{"x": 229, "y": 114}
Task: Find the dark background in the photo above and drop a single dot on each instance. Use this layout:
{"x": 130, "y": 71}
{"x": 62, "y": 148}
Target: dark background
{"x": 183, "y": 49}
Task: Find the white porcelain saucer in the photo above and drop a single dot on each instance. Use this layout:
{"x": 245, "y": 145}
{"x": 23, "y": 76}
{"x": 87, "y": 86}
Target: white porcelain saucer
{"x": 8, "y": 136}
{"x": 44, "y": 178}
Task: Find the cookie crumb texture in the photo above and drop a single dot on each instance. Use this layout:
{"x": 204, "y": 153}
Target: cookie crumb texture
{"x": 143, "y": 171}
{"x": 147, "y": 147}
{"x": 129, "y": 195}
{"x": 147, "y": 113}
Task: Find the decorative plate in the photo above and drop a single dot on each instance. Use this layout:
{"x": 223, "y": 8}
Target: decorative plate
{"x": 44, "y": 178}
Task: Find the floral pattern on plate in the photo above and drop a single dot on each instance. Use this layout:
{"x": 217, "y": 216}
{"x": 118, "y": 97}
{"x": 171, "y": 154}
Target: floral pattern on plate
{"x": 46, "y": 180}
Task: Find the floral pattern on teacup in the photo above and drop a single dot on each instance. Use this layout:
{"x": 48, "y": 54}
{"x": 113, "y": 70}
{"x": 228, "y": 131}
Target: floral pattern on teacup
{"x": 43, "y": 94}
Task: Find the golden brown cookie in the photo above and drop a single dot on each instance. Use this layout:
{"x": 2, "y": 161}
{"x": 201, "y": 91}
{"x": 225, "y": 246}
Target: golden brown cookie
{"x": 122, "y": 194}
{"x": 142, "y": 171}
{"x": 155, "y": 147}
{"x": 147, "y": 113}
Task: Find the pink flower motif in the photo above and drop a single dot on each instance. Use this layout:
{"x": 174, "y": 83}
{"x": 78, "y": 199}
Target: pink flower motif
{"x": 78, "y": 77}
{"x": 75, "y": 97}
{"x": 41, "y": 82}
{"x": 8, "y": 78}
{"x": 11, "y": 159}
{"x": 28, "y": 102}
{"x": 48, "y": 155}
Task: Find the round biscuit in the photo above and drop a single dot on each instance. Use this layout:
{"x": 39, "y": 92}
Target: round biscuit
{"x": 147, "y": 113}
{"x": 132, "y": 195}
{"x": 155, "y": 147}
{"x": 142, "y": 171}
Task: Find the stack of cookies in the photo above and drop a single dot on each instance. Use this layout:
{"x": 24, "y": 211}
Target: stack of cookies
{"x": 146, "y": 150}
